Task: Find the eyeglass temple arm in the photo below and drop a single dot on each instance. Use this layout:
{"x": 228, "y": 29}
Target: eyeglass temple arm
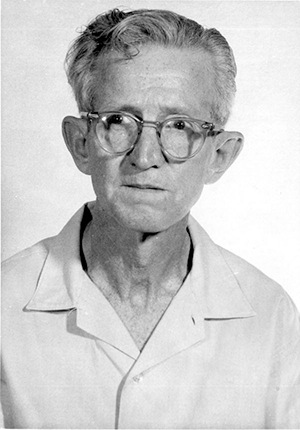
{"x": 89, "y": 115}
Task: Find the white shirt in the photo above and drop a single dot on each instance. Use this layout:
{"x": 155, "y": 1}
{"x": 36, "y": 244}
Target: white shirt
{"x": 226, "y": 353}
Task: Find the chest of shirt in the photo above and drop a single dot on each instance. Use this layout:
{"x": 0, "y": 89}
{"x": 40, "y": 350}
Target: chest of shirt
{"x": 72, "y": 379}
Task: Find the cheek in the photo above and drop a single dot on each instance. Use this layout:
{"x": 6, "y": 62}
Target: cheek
{"x": 104, "y": 175}
{"x": 191, "y": 185}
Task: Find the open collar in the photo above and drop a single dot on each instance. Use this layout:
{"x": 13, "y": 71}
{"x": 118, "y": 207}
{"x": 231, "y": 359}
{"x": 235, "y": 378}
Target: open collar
{"x": 214, "y": 285}
{"x": 62, "y": 275}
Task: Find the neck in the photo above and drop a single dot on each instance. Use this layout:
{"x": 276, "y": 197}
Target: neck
{"x": 136, "y": 266}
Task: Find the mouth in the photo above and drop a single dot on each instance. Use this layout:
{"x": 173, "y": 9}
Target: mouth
{"x": 144, "y": 187}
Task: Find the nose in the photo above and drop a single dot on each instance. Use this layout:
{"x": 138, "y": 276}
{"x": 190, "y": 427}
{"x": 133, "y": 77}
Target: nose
{"x": 147, "y": 152}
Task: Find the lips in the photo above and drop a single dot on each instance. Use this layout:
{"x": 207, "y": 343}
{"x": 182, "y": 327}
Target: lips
{"x": 143, "y": 185}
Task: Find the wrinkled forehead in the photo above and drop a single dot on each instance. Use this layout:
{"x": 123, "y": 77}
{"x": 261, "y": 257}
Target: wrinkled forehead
{"x": 186, "y": 70}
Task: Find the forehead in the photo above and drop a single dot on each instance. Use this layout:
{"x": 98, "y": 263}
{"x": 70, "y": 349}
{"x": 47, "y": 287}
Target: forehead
{"x": 157, "y": 75}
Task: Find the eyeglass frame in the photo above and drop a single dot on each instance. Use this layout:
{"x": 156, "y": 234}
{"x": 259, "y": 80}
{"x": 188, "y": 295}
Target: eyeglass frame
{"x": 158, "y": 125}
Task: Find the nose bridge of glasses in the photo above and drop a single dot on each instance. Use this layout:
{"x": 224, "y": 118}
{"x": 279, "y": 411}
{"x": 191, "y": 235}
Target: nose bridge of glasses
{"x": 151, "y": 142}
{"x": 153, "y": 124}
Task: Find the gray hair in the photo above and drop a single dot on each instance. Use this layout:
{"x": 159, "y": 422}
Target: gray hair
{"x": 125, "y": 32}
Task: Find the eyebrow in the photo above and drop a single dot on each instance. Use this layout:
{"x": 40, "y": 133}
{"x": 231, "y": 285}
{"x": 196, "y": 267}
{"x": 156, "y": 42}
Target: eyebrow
{"x": 166, "y": 110}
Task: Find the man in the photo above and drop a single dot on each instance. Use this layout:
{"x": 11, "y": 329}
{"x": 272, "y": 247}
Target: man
{"x": 132, "y": 317}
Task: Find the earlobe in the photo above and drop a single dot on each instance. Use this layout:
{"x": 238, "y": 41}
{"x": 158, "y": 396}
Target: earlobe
{"x": 74, "y": 132}
{"x": 227, "y": 147}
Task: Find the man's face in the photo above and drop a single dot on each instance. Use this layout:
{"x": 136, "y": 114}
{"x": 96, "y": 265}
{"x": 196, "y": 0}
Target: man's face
{"x": 143, "y": 190}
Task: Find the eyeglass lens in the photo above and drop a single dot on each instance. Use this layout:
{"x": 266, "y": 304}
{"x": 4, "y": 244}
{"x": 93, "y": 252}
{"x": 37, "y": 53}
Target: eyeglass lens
{"x": 180, "y": 137}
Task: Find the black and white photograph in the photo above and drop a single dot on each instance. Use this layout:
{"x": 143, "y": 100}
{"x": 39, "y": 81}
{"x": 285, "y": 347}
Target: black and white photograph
{"x": 150, "y": 214}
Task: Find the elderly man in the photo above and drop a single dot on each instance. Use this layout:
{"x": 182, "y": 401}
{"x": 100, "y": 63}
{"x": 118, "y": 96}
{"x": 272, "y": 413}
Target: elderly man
{"x": 132, "y": 317}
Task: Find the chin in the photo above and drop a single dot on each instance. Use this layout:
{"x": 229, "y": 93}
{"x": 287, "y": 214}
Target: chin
{"x": 145, "y": 225}
{"x": 149, "y": 221}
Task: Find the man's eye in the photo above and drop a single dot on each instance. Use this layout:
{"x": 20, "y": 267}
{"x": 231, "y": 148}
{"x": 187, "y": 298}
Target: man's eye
{"x": 179, "y": 125}
{"x": 115, "y": 119}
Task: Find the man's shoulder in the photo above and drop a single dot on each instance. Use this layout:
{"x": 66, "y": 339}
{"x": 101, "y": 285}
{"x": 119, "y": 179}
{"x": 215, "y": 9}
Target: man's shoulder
{"x": 261, "y": 291}
{"x": 32, "y": 255}
{"x": 27, "y": 256}
{"x": 250, "y": 279}
{"x": 27, "y": 264}
{"x": 246, "y": 273}
{"x": 269, "y": 300}
{"x": 20, "y": 273}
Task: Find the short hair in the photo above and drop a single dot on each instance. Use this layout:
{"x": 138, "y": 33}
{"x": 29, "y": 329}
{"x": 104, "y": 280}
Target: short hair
{"x": 126, "y": 32}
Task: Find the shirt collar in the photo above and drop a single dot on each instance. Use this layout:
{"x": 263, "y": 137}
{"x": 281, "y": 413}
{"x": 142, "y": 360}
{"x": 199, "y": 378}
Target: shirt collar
{"x": 62, "y": 276}
{"x": 213, "y": 282}
{"x": 214, "y": 285}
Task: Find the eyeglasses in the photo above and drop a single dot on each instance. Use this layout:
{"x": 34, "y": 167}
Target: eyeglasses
{"x": 179, "y": 137}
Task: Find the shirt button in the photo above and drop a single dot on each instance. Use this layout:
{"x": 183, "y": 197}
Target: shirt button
{"x": 138, "y": 378}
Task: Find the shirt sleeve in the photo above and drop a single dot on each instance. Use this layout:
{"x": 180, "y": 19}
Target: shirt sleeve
{"x": 283, "y": 410}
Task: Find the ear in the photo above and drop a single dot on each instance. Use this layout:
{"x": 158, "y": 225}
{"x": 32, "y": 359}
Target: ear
{"x": 227, "y": 146}
{"x": 75, "y": 131}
